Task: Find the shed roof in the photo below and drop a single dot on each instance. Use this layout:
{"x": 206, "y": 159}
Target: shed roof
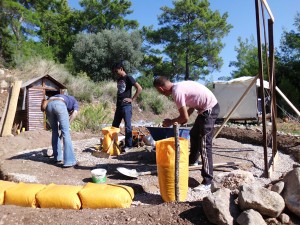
{"x": 31, "y": 81}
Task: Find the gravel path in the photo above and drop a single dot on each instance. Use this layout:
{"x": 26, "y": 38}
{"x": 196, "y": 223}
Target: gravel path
{"x": 40, "y": 169}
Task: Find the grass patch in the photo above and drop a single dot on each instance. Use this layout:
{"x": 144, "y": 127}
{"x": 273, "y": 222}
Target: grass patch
{"x": 291, "y": 127}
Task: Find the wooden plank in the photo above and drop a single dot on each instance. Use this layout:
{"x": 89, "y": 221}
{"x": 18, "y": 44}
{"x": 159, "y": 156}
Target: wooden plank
{"x": 4, "y": 111}
{"x": 12, "y": 108}
{"x": 269, "y": 10}
{"x": 273, "y": 162}
{"x": 35, "y": 117}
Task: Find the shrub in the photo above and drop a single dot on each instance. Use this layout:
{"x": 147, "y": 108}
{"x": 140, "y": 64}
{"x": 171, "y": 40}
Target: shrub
{"x": 96, "y": 53}
{"x": 157, "y": 106}
{"x": 151, "y": 100}
{"x": 145, "y": 81}
{"x": 91, "y": 116}
{"x": 81, "y": 87}
{"x": 106, "y": 92}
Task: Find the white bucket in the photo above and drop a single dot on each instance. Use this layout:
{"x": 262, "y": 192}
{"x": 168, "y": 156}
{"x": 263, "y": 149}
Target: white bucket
{"x": 99, "y": 175}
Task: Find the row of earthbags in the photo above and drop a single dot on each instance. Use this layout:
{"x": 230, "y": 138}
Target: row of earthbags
{"x": 101, "y": 195}
{"x": 65, "y": 196}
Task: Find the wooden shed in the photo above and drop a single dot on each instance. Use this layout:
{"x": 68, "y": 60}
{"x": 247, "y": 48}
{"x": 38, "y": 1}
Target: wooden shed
{"x": 29, "y": 114}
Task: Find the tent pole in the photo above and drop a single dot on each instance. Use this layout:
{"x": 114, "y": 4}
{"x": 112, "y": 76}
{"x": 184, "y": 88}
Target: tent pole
{"x": 286, "y": 99}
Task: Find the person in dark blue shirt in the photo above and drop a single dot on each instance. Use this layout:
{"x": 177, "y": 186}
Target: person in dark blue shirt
{"x": 61, "y": 110}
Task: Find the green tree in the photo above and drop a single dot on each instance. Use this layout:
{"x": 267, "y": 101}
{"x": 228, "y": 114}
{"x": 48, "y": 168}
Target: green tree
{"x": 190, "y": 36}
{"x": 288, "y": 66}
{"x": 96, "y": 53}
{"x": 106, "y": 15}
{"x": 247, "y": 59}
{"x": 59, "y": 26}
{"x": 290, "y": 43}
{"x": 40, "y": 27}
{"x": 17, "y": 25}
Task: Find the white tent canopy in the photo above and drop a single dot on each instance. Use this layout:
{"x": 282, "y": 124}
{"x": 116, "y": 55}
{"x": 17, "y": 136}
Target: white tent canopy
{"x": 229, "y": 92}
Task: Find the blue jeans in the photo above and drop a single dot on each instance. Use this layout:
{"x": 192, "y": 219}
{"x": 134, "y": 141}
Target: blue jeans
{"x": 57, "y": 113}
{"x": 124, "y": 112}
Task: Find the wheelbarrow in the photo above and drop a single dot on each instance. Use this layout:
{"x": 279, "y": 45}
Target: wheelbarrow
{"x": 159, "y": 133}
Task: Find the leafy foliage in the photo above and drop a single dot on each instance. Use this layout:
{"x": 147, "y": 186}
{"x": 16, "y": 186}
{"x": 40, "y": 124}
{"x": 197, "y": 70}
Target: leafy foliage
{"x": 54, "y": 26}
{"x": 91, "y": 117}
{"x": 106, "y": 15}
{"x": 191, "y": 34}
{"x": 247, "y": 59}
{"x": 145, "y": 81}
{"x": 151, "y": 100}
{"x": 96, "y": 53}
{"x": 288, "y": 67}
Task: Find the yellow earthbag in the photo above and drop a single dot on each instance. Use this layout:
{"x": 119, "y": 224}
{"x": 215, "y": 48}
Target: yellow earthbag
{"x": 165, "y": 159}
{"x": 23, "y": 194}
{"x": 106, "y": 196}
{"x": 110, "y": 140}
{"x": 4, "y": 185}
{"x": 59, "y": 196}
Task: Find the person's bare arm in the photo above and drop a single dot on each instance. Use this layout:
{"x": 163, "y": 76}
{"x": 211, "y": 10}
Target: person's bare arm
{"x": 138, "y": 90}
{"x": 181, "y": 119}
{"x": 73, "y": 115}
{"x": 190, "y": 111}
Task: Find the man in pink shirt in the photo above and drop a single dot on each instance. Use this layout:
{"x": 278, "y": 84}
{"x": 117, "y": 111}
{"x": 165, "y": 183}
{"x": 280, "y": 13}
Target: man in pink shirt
{"x": 190, "y": 96}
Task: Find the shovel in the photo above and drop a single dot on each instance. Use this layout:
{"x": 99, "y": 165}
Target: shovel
{"x": 133, "y": 173}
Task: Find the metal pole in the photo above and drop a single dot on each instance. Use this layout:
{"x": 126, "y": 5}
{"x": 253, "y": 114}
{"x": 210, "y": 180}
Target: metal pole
{"x": 177, "y": 158}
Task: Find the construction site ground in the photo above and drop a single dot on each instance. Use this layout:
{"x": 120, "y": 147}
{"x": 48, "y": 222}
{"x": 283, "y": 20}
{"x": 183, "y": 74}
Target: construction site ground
{"x": 25, "y": 158}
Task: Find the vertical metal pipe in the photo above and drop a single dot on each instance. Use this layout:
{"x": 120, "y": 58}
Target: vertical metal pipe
{"x": 177, "y": 158}
{"x": 261, "y": 88}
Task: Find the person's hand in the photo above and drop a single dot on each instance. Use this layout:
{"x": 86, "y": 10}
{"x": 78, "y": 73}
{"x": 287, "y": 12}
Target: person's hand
{"x": 167, "y": 122}
{"x": 127, "y": 100}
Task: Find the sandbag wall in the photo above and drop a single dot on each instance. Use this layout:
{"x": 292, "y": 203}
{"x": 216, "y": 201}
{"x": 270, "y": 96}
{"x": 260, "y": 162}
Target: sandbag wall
{"x": 65, "y": 196}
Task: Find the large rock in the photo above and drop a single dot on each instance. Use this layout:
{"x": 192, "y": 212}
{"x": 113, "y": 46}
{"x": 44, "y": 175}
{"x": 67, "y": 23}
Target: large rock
{"x": 278, "y": 187}
{"x": 219, "y": 207}
{"x": 232, "y": 180}
{"x": 291, "y": 192}
{"x": 250, "y": 217}
{"x": 264, "y": 201}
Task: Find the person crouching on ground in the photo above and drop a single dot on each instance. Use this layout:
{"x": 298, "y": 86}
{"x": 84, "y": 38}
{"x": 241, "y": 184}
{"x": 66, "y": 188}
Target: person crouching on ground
{"x": 190, "y": 96}
{"x": 61, "y": 111}
{"x": 124, "y": 101}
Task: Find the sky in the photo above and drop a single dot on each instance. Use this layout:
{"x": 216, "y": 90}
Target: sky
{"x": 241, "y": 15}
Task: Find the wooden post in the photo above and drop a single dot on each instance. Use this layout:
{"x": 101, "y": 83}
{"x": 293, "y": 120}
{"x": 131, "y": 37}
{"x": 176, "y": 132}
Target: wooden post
{"x": 261, "y": 88}
{"x": 11, "y": 110}
{"x": 272, "y": 86}
{"x": 177, "y": 158}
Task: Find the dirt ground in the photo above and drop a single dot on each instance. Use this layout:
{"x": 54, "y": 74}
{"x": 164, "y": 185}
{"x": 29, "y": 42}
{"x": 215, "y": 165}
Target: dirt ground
{"x": 17, "y": 156}
{"x": 25, "y": 154}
